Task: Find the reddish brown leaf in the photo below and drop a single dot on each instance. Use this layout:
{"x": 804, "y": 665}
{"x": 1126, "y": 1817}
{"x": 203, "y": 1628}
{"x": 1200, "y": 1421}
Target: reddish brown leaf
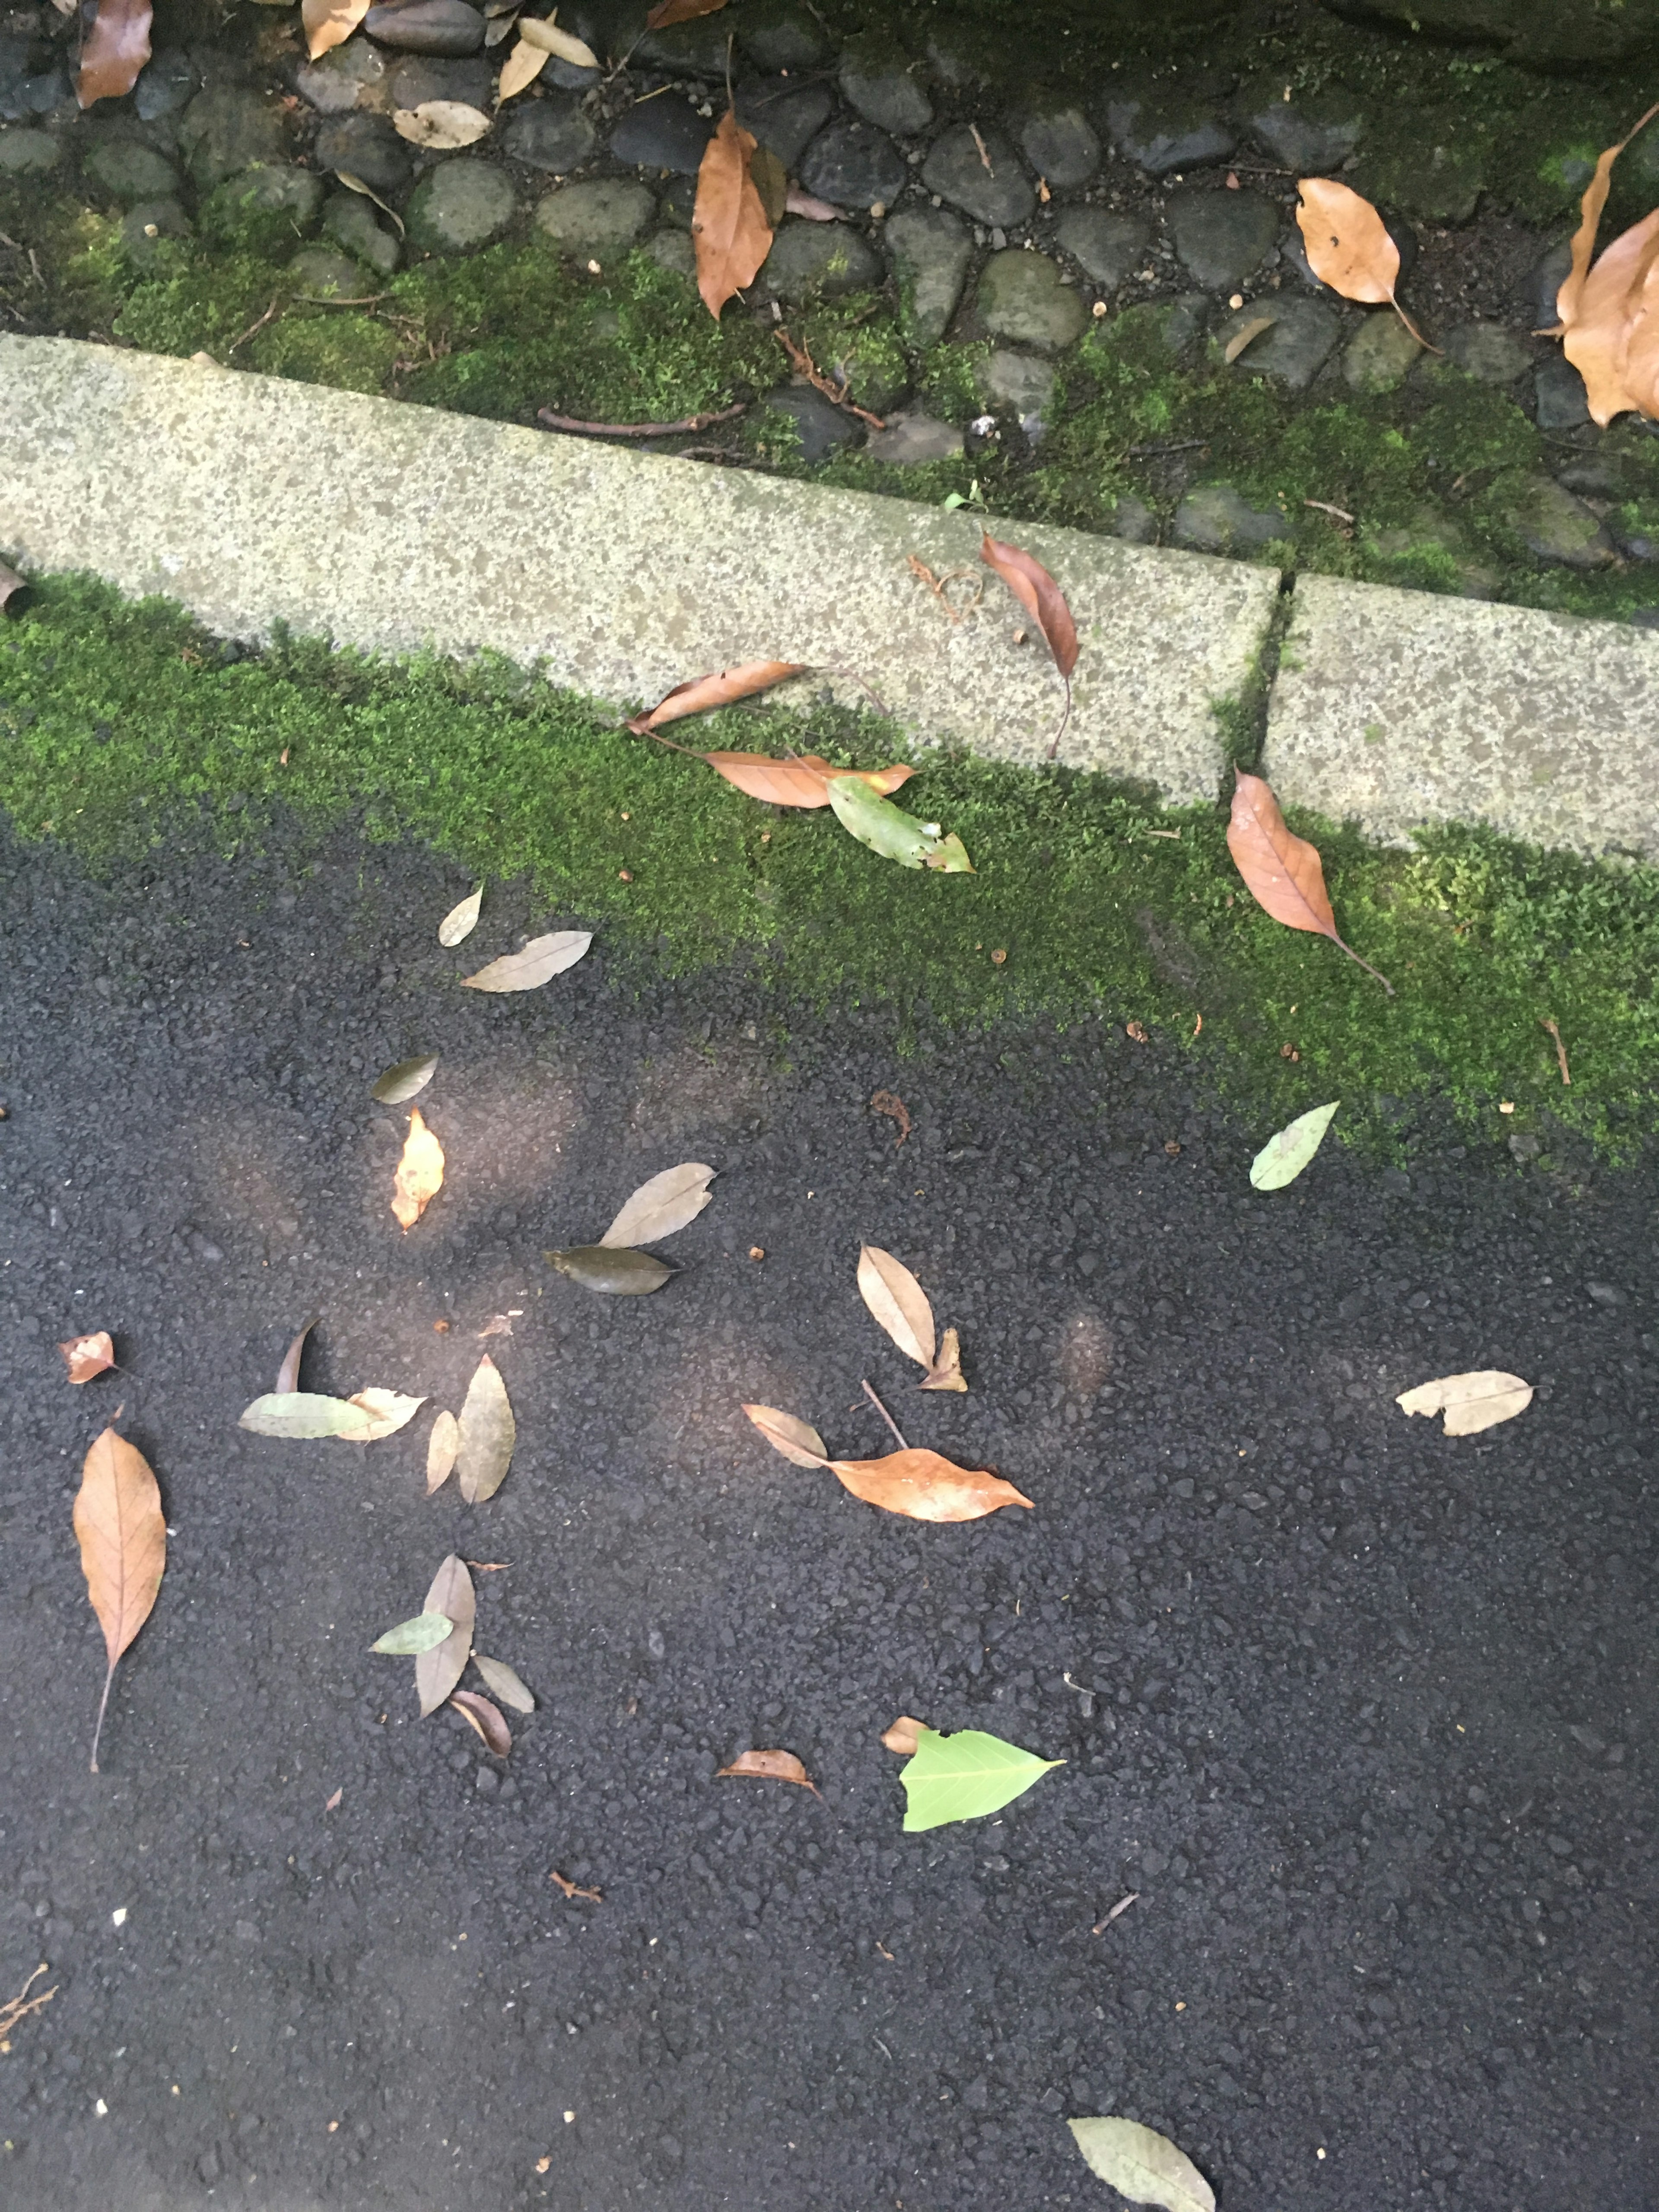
{"x": 703, "y": 693}
{"x": 925, "y": 1487}
{"x": 770, "y": 1767}
{"x": 1569, "y": 301}
{"x": 729, "y": 228}
{"x": 1038, "y": 593}
{"x": 487, "y": 1718}
{"x": 1282, "y": 872}
{"x": 905, "y": 1735}
{"x": 667, "y": 12}
{"x": 803, "y": 782}
{"x": 124, "y": 1547}
{"x": 333, "y": 1804}
{"x": 116, "y": 48}
{"x": 87, "y": 1356}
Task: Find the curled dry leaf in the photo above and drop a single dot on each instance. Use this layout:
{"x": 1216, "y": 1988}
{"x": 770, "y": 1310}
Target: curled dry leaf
{"x": 461, "y": 920}
{"x": 797, "y": 1443}
{"x": 1282, "y": 872}
{"x": 87, "y": 1356}
{"x": 440, "y": 126}
{"x": 405, "y": 1081}
{"x": 301, "y": 1415}
{"x": 357, "y": 185}
{"x": 896, "y": 836}
{"x": 770, "y": 1767}
{"x": 667, "y": 1202}
{"x": 1142, "y": 2164}
{"x": 439, "y": 1670}
{"x": 563, "y": 45}
{"x": 802, "y": 782}
{"x": 898, "y": 1302}
{"x": 420, "y": 1174}
{"x": 1246, "y": 336}
{"x": 410, "y": 1638}
{"x": 10, "y": 581}
{"x": 487, "y": 1433}
{"x": 534, "y": 963}
{"x": 330, "y": 23}
{"x": 964, "y": 1777}
{"x": 287, "y": 1375}
{"x": 123, "y": 1536}
{"x": 729, "y": 229}
{"x": 441, "y": 1447}
{"x": 904, "y": 1735}
{"x": 680, "y": 11}
{"x": 115, "y": 50}
{"x": 488, "y": 1719}
{"x": 1471, "y": 1402}
{"x": 1043, "y": 600}
{"x": 505, "y": 1683}
{"x": 1283, "y": 1158}
{"x": 1609, "y": 314}
{"x": 613, "y": 1272}
{"x": 702, "y": 693}
{"x": 923, "y": 1487}
{"x": 1349, "y": 247}
{"x": 946, "y": 1373}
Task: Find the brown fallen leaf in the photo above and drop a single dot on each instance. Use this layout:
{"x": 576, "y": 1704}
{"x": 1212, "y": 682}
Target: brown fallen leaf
{"x": 770, "y": 1767}
{"x": 1246, "y": 335}
{"x": 439, "y": 1670}
{"x": 946, "y": 1373}
{"x": 420, "y": 1174}
{"x": 905, "y": 1735}
{"x": 123, "y": 1548}
{"x": 889, "y": 1103}
{"x": 793, "y": 1439}
{"x": 487, "y": 1718}
{"x": 898, "y": 1302}
{"x": 330, "y": 23}
{"x": 802, "y": 782}
{"x": 1608, "y": 324}
{"x": 729, "y": 229}
{"x": 1043, "y": 600}
{"x": 333, "y": 1804}
{"x": 87, "y": 1356}
{"x": 1349, "y": 247}
{"x": 287, "y": 1375}
{"x": 571, "y": 1889}
{"x": 441, "y": 1447}
{"x": 923, "y": 1487}
{"x": 702, "y": 693}
{"x": 680, "y": 11}
{"x": 114, "y": 51}
{"x": 1282, "y": 872}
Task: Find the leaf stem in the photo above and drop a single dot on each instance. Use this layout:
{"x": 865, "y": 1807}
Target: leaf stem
{"x": 98, "y": 1728}
{"x": 1065, "y": 717}
{"x": 886, "y": 1417}
{"x": 1366, "y": 964}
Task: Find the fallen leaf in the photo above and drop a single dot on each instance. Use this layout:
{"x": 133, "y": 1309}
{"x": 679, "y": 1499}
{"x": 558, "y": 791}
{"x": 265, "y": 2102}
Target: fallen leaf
{"x": 380, "y": 1414}
{"x": 87, "y": 1356}
{"x": 946, "y": 1373}
{"x": 1142, "y": 2164}
{"x": 488, "y": 1719}
{"x": 593, "y": 1897}
{"x": 357, "y": 185}
{"x": 771, "y": 181}
{"x": 796, "y": 201}
{"x": 797, "y": 1443}
{"x": 1472, "y": 1402}
{"x": 420, "y": 1174}
{"x": 1282, "y": 872}
{"x": 440, "y": 126}
{"x": 612, "y": 1273}
{"x": 1283, "y": 1158}
{"x": 115, "y": 50}
{"x": 729, "y": 229}
{"x": 563, "y": 45}
{"x": 905, "y": 1735}
{"x": 667, "y": 1202}
{"x": 1349, "y": 247}
{"x": 964, "y": 1777}
{"x": 123, "y": 1536}
{"x": 1043, "y": 600}
{"x": 521, "y": 68}
{"x": 1246, "y": 335}
{"x": 702, "y": 693}
{"x": 1568, "y": 299}
{"x": 497, "y": 1325}
{"x": 497, "y": 27}
{"x": 410, "y": 1638}
{"x": 534, "y": 963}
{"x": 1609, "y": 314}
{"x": 401, "y": 1083}
{"x": 505, "y": 1683}
{"x": 887, "y": 829}
{"x": 439, "y": 1670}
{"x": 441, "y": 1447}
{"x": 287, "y": 1375}
{"x": 898, "y": 1302}
{"x": 300, "y": 1414}
{"x": 802, "y": 782}
{"x": 889, "y": 1103}
{"x": 10, "y": 581}
{"x": 923, "y": 1487}
{"x": 461, "y": 920}
{"x": 330, "y": 23}
{"x": 769, "y": 1766}
{"x": 333, "y": 1803}
{"x": 487, "y": 1434}
{"x": 680, "y": 11}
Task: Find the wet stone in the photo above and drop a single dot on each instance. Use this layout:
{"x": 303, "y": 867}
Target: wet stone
{"x": 820, "y": 428}
{"x": 1022, "y": 297}
{"x": 24, "y": 97}
{"x": 551, "y": 133}
{"x": 144, "y": 228}
{"x": 854, "y": 165}
{"x": 1380, "y": 354}
{"x": 1108, "y": 247}
{"x": 664, "y": 133}
{"x": 1216, "y": 519}
{"x": 818, "y": 261}
{"x": 266, "y": 205}
{"x": 1222, "y": 237}
{"x": 1133, "y": 521}
{"x": 602, "y": 215}
{"x": 228, "y": 129}
{"x": 347, "y": 77}
{"x": 1311, "y": 136}
{"x": 779, "y": 34}
{"x": 1295, "y": 349}
{"x": 910, "y": 439}
{"x": 26, "y": 153}
{"x": 349, "y": 219}
{"x": 1019, "y": 384}
{"x": 1488, "y": 351}
{"x": 1164, "y": 135}
{"x": 673, "y": 249}
{"x": 421, "y": 78}
{"x": 428, "y": 26}
{"x": 999, "y": 197}
{"x": 128, "y": 171}
{"x": 1060, "y": 145}
{"x": 167, "y": 86}
{"x": 953, "y": 60}
{"x": 321, "y": 273}
{"x": 1560, "y": 402}
{"x": 1181, "y": 322}
{"x": 930, "y": 251}
{"x": 1554, "y": 525}
{"x": 460, "y": 206}
{"x": 1434, "y": 173}
{"x": 886, "y": 95}
{"x": 782, "y": 115}
{"x": 367, "y": 147}
{"x": 697, "y": 48}
{"x": 1544, "y": 282}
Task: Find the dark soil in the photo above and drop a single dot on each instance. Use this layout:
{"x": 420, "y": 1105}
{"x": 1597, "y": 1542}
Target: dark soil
{"x": 1363, "y": 1713}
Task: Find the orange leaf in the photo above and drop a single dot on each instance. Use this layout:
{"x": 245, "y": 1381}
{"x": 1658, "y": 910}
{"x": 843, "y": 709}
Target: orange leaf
{"x": 330, "y": 23}
{"x": 1349, "y": 247}
{"x": 116, "y": 47}
{"x": 1569, "y": 299}
{"x": 803, "y": 782}
{"x": 729, "y": 227}
{"x": 1038, "y": 593}
{"x": 905, "y": 1735}
{"x": 770, "y": 1767}
{"x": 1282, "y": 872}
{"x": 704, "y": 693}
{"x": 787, "y": 1435}
{"x": 420, "y": 1174}
{"x": 680, "y": 11}
{"x": 87, "y": 1356}
{"x": 1598, "y": 338}
{"x": 925, "y": 1487}
{"x": 124, "y": 1547}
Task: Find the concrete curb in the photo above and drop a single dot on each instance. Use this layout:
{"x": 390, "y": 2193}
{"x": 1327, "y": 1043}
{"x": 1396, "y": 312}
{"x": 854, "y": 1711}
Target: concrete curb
{"x": 252, "y": 499}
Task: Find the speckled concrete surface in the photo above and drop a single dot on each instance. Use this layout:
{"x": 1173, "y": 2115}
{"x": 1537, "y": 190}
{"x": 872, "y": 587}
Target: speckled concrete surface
{"x": 252, "y": 499}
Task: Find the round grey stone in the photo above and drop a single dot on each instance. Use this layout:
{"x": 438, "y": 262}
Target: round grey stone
{"x": 1216, "y": 519}
{"x": 1548, "y": 274}
{"x": 911, "y": 440}
{"x": 420, "y": 77}
{"x": 1108, "y": 247}
{"x": 166, "y": 87}
{"x": 274, "y": 202}
{"x": 782, "y": 115}
{"x": 1022, "y": 297}
{"x": 1162, "y": 135}
{"x": 1381, "y": 353}
{"x": 346, "y": 77}
{"x": 1016, "y": 384}
{"x": 818, "y": 261}
{"x": 1132, "y": 521}
{"x": 321, "y": 273}
{"x": 1434, "y": 171}
{"x": 228, "y": 129}
{"x": 1560, "y": 402}
{"x": 601, "y": 216}
{"x": 780, "y": 34}
{"x": 1309, "y": 136}
{"x": 1001, "y": 197}
{"x": 930, "y": 251}
{"x": 820, "y": 428}
{"x": 1060, "y": 145}
{"x": 1488, "y": 351}
{"x": 854, "y": 165}
{"x": 367, "y": 147}
{"x": 673, "y": 249}
{"x": 1554, "y": 524}
{"x": 145, "y": 227}
{"x": 664, "y": 133}
{"x": 25, "y": 153}
{"x": 129, "y": 171}
{"x": 551, "y": 133}
{"x": 1221, "y": 237}
{"x": 427, "y": 27}
{"x": 349, "y": 219}
{"x": 697, "y": 48}
{"x": 1295, "y": 349}
{"x": 885, "y": 94}
{"x": 460, "y": 206}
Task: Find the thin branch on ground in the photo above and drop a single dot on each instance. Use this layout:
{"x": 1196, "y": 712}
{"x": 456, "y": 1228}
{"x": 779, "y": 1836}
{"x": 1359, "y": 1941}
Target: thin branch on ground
{"x": 804, "y": 365}
{"x": 1123, "y": 1905}
{"x": 1325, "y": 508}
{"x": 18, "y": 2009}
{"x": 638, "y": 429}
{"x": 886, "y": 1417}
{"x": 1561, "y": 1051}
{"x": 936, "y": 584}
{"x": 253, "y": 330}
{"x": 316, "y": 300}
{"x": 1183, "y": 445}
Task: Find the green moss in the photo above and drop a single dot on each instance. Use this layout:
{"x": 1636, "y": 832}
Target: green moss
{"x": 349, "y": 350}
{"x": 195, "y": 306}
{"x": 122, "y": 729}
{"x": 947, "y": 386}
{"x": 857, "y": 340}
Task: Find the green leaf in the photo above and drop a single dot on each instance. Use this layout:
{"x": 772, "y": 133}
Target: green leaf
{"x": 424, "y": 1633}
{"x": 1142, "y": 2164}
{"x": 299, "y": 1414}
{"x": 963, "y": 1776}
{"x": 1283, "y": 1158}
{"x": 613, "y": 1273}
{"x": 402, "y": 1082}
{"x": 888, "y": 831}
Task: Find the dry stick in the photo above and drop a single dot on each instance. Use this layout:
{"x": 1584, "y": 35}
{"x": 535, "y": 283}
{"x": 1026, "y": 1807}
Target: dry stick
{"x": 1561, "y": 1051}
{"x": 1053, "y": 746}
{"x": 20, "y": 2007}
{"x": 1325, "y": 508}
{"x": 274, "y": 308}
{"x": 637, "y": 429}
{"x": 804, "y": 365}
{"x": 1123, "y": 1905}
{"x": 886, "y": 1417}
{"x": 1183, "y": 446}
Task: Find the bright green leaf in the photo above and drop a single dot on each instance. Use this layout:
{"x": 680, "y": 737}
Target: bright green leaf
{"x": 963, "y": 1776}
{"x": 424, "y": 1633}
{"x": 888, "y": 831}
{"x": 1283, "y": 1158}
{"x": 1142, "y": 2164}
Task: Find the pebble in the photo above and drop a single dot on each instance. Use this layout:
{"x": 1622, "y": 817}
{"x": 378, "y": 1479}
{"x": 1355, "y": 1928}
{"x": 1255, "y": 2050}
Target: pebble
{"x": 1380, "y": 354}
{"x": 1001, "y": 195}
{"x": 350, "y": 220}
{"x": 1060, "y": 145}
{"x": 551, "y": 133}
{"x": 1181, "y": 322}
{"x": 930, "y": 252}
{"x": 228, "y": 129}
{"x": 459, "y": 206}
{"x": 854, "y": 165}
{"x": 782, "y": 115}
{"x": 167, "y": 86}
{"x": 598, "y": 216}
{"x": 35, "y": 95}
{"x": 697, "y": 48}
{"x": 820, "y": 427}
{"x": 1022, "y": 297}
{"x": 1216, "y": 519}
{"x": 1164, "y": 135}
{"x": 166, "y": 217}
{"x": 673, "y": 249}
{"x": 664, "y": 133}
{"x": 427, "y": 27}
{"x": 1559, "y": 400}
{"x": 1221, "y": 237}
{"x": 1605, "y": 1294}
{"x": 889, "y": 97}
{"x": 1311, "y": 138}
{"x": 779, "y": 34}
{"x": 323, "y": 273}
{"x": 1554, "y": 524}
{"x": 421, "y": 78}
{"x": 347, "y": 77}
{"x": 129, "y": 171}
{"x": 1133, "y": 521}
{"x": 1018, "y": 384}
{"x": 910, "y": 439}
{"x": 1295, "y": 349}
{"x": 1488, "y": 351}
{"x": 274, "y": 204}
{"x": 368, "y": 147}
{"x": 818, "y": 261}
{"x": 1108, "y": 247}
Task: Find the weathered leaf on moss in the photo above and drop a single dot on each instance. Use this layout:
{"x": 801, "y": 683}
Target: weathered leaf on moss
{"x": 1142, "y": 2164}
{"x": 964, "y": 1777}
{"x": 802, "y": 782}
{"x": 1282, "y": 872}
{"x": 896, "y": 836}
{"x": 611, "y": 1271}
{"x": 505, "y": 1683}
{"x": 487, "y": 1433}
{"x": 1472, "y": 1402}
{"x": 665, "y": 1203}
{"x": 463, "y": 919}
{"x": 797, "y": 1443}
{"x": 438, "y": 1671}
{"x": 410, "y": 1638}
{"x": 534, "y": 963}
{"x": 1284, "y": 1156}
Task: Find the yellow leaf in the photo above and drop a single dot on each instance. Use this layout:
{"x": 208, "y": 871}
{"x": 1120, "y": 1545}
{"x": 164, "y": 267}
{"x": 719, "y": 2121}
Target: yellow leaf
{"x": 420, "y": 1174}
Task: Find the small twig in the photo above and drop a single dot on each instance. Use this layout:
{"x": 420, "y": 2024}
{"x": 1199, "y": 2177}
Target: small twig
{"x": 1123, "y": 1905}
{"x": 571, "y": 1889}
{"x": 1325, "y": 508}
{"x": 20, "y": 2007}
{"x": 275, "y": 308}
{"x": 637, "y": 429}
{"x": 804, "y": 365}
{"x": 1560, "y": 1051}
{"x": 1184, "y": 445}
{"x": 886, "y": 1417}
{"x": 936, "y": 584}
{"x": 315, "y": 300}
{"x": 985, "y": 159}
{"x": 1054, "y": 742}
